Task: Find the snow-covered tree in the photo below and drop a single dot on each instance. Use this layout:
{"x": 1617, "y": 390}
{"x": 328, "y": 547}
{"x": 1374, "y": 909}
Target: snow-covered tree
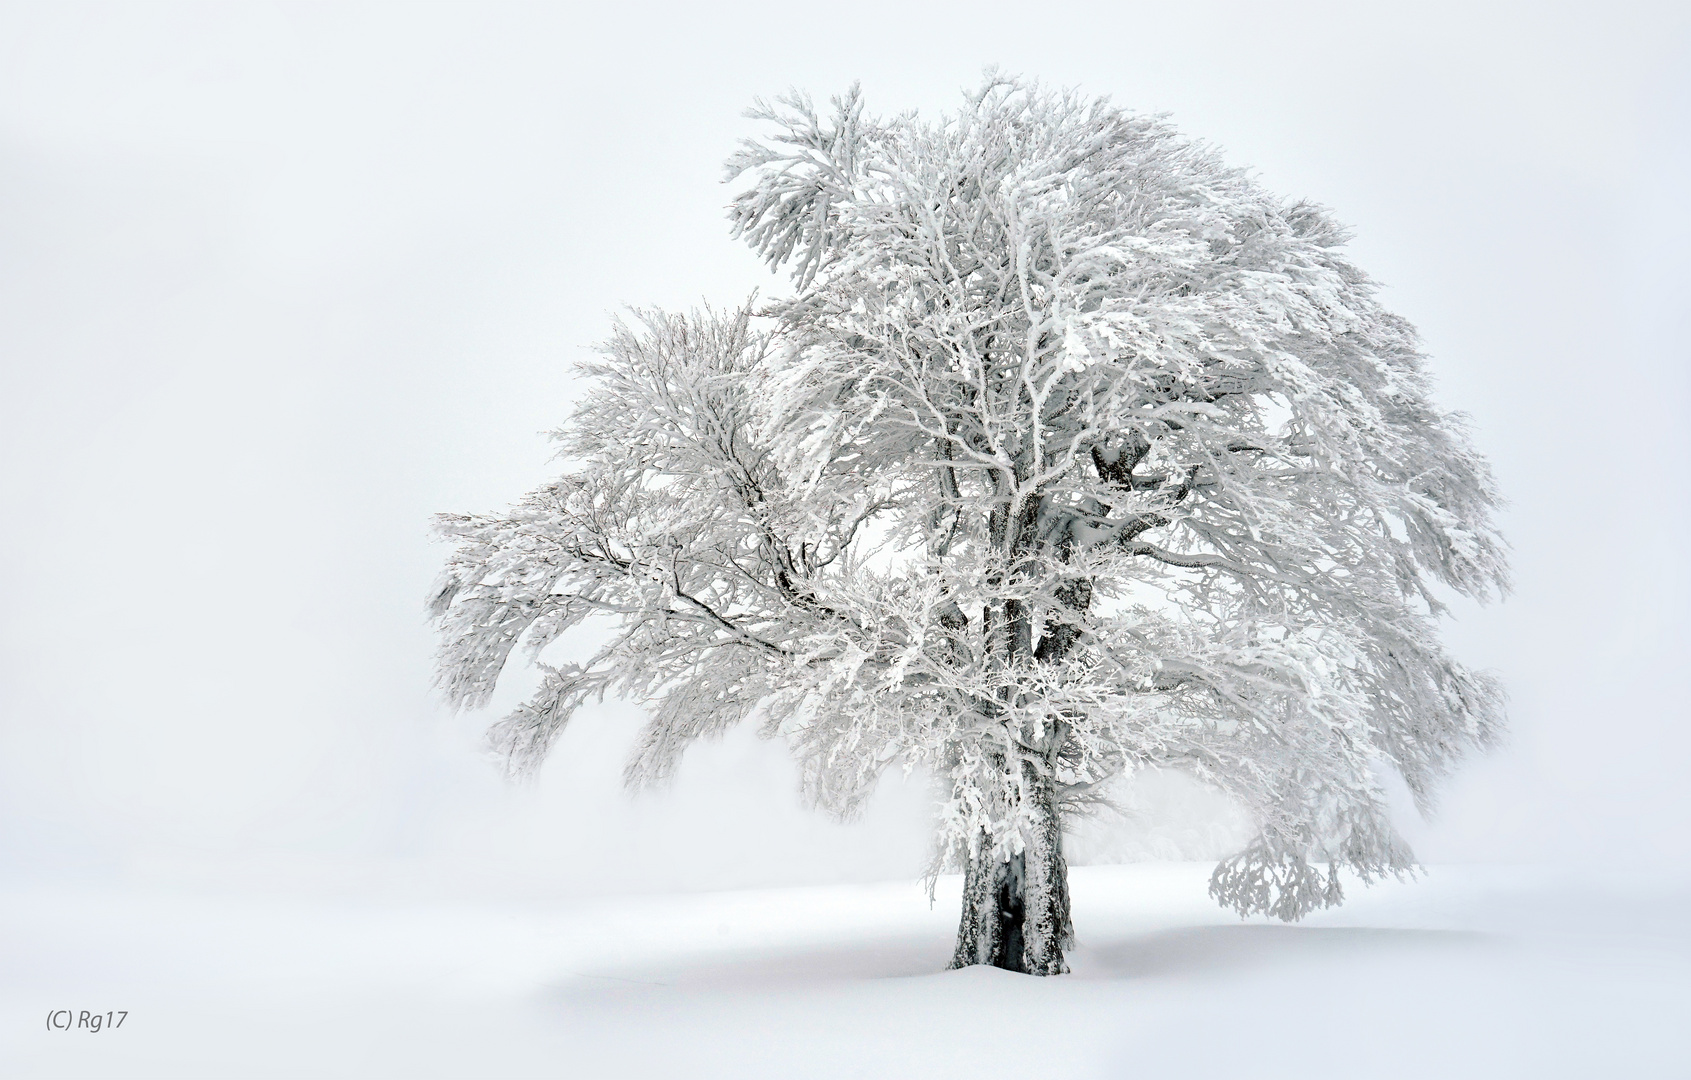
{"x": 1073, "y": 452}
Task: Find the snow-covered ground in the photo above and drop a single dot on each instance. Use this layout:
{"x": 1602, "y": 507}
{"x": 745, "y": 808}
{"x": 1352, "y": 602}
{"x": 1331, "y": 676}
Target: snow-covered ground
{"x": 1470, "y": 971}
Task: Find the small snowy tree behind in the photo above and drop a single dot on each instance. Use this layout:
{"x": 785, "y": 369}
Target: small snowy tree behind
{"x": 1073, "y": 452}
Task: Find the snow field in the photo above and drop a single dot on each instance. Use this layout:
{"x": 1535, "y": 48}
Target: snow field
{"x": 1471, "y": 971}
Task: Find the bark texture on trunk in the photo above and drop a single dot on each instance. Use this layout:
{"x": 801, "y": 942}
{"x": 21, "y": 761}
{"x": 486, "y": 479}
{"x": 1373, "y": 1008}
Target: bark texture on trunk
{"x": 1046, "y": 927}
{"x": 1016, "y": 910}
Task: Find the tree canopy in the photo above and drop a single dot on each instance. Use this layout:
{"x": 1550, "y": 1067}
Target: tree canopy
{"x": 1073, "y": 451}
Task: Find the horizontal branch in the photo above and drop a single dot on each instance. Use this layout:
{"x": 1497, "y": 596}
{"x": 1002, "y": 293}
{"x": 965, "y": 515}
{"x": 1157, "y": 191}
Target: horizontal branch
{"x": 1194, "y": 562}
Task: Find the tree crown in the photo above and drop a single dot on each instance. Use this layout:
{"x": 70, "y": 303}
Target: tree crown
{"x": 1074, "y": 450}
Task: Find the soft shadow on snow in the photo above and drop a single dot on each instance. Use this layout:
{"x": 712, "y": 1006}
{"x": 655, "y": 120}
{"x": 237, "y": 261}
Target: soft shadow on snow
{"x": 1183, "y": 952}
{"x": 1205, "y": 950}
{"x": 889, "y": 957}
{"x": 1172, "y": 954}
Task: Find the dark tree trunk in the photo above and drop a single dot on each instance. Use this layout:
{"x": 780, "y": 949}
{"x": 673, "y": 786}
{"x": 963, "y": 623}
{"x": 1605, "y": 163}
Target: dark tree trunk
{"x": 1016, "y": 910}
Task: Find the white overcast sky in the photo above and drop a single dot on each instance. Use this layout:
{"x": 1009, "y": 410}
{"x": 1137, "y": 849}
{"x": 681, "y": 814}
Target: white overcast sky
{"x": 278, "y": 281}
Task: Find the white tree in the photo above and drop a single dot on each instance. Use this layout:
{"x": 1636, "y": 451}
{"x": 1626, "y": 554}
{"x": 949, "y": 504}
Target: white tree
{"x": 1073, "y": 452}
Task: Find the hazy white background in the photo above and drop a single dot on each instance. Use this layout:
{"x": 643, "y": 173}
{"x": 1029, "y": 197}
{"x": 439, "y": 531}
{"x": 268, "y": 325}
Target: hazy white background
{"x": 278, "y": 282}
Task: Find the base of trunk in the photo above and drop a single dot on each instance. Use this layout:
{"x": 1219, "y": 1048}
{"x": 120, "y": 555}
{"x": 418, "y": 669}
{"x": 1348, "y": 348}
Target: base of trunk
{"x": 1016, "y": 910}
